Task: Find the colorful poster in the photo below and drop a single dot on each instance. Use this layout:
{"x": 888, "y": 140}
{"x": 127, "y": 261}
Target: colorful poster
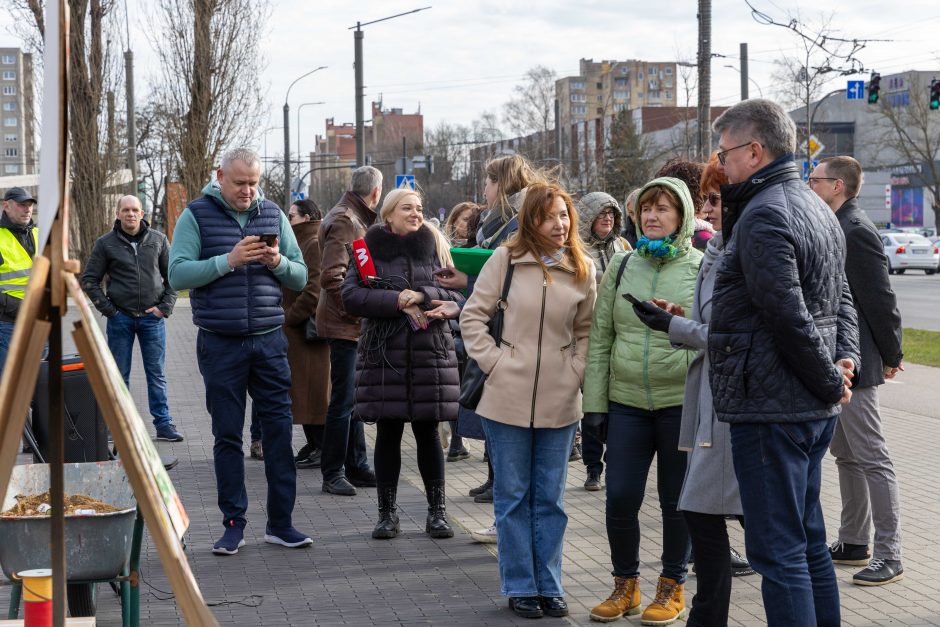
{"x": 907, "y": 206}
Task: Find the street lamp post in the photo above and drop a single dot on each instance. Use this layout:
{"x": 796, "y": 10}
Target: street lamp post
{"x": 357, "y": 41}
{"x": 287, "y": 137}
{"x": 298, "y": 122}
{"x": 264, "y": 134}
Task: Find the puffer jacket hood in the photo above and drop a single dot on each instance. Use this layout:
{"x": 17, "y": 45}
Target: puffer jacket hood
{"x": 493, "y": 229}
{"x": 684, "y": 238}
{"x": 589, "y": 207}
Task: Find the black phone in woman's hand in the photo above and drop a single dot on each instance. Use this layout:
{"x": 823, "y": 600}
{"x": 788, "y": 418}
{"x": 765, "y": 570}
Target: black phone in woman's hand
{"x": 630, "y": 297}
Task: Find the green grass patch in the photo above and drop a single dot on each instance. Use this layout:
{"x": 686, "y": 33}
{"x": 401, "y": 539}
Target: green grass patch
{"x": 922, "y": 347}
{"x": 182, "y": 294}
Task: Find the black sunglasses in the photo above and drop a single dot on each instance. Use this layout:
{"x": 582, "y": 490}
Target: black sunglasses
{"x": 714, "y": 198}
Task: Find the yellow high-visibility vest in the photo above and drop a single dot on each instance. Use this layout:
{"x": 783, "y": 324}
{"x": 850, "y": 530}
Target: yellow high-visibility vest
{"x": 17, "y": 264}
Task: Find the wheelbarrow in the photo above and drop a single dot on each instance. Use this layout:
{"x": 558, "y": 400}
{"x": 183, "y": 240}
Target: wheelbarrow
{"x": 100, "y": 548}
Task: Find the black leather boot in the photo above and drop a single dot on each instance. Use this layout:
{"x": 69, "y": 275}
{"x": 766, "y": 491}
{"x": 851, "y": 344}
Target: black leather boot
{"x": 437, "y": 525}
{"x": 387, "y": 527}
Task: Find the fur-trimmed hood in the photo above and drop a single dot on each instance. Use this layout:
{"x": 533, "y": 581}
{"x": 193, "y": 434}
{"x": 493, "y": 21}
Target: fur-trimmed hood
{"x": 589, "y": 207}
{"x": 385, "y": 245}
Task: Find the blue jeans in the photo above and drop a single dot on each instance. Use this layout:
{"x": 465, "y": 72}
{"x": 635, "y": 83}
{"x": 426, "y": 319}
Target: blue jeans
{"x": 529, "y": 467}
{"x": 344, "y": 440}
{"x": 634, "y": 435}
{"x": 232, "y": 366}
{"x": 6, "y": 334}
{"x": 778, "y": 470}
{"x": 151, "y": 333}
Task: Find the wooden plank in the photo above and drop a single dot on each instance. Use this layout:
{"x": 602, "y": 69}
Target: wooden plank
{"x": 155, "y": 494}
{"x": 22, "y": 367}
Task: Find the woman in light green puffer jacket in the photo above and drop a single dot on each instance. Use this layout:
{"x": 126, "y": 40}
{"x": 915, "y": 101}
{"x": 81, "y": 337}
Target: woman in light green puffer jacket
{"x": 634, "y": 385}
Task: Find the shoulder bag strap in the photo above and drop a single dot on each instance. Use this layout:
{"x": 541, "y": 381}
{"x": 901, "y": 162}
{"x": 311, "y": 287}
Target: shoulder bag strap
{"x": 623, "y": 266}
{"x": 496, "y": 323}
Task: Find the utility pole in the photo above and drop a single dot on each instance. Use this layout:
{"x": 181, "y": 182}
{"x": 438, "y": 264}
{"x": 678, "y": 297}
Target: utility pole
{"x": 360, "y": 131}
{"x": 131, "y": 120}
{"x": 744, "y": 79}
{"x": 704, "y": 78}
{"x": 557, "y": 130}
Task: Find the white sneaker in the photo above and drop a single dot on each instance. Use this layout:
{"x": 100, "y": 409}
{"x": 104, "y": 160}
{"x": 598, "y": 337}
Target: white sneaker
{"x": 484, "y": 536}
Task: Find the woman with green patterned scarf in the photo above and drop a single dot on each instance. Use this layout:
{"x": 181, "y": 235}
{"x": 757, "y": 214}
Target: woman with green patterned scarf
{"x": 633, "y": 390}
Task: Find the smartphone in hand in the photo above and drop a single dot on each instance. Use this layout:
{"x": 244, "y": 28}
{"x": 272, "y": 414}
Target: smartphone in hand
{"x": 270, "y": 239}
{"x": 442, "y": 272}
{"x": 630, "y": 297}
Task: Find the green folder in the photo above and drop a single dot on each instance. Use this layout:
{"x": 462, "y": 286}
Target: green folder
{"x": 470, "y": 260}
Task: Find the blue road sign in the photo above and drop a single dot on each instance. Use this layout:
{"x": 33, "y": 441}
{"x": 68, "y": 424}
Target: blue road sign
{"x": 294, "y": 196}
{"x": 855, "y": 90}
{"x": 405, "y": 180}
{"x": 806, "y": 168}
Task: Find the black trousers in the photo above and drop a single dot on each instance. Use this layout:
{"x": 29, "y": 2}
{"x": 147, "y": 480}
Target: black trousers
{"x": 388, "y": 451}
{"x": 712, "y": 550}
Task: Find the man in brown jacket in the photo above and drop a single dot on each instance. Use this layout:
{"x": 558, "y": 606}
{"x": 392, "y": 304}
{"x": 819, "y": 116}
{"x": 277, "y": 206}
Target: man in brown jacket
{"x": 344, "y": 463}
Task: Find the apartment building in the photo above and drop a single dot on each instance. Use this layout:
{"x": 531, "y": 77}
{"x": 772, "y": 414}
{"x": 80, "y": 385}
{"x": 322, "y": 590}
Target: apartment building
{"x": 18, "y": 142}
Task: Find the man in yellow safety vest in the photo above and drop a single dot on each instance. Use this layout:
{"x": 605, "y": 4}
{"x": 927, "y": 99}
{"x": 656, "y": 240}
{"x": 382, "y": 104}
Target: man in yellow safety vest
{"x": 18, "y": 241}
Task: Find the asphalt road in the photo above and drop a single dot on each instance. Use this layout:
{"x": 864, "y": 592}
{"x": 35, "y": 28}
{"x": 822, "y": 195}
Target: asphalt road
{"x": 919, "y": 299}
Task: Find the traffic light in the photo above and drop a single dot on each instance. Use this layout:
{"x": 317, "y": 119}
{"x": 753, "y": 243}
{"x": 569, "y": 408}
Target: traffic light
{"x": 935, "y": 94}
{"x": 874, "y": 86}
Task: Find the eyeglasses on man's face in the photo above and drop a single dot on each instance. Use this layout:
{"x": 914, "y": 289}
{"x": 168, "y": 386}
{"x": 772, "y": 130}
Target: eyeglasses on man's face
{"x": 723, "y": 154}
{"x": 815, "y": 179}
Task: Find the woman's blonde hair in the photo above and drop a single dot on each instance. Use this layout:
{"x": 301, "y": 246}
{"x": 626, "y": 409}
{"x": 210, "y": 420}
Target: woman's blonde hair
{"x": 391, "y": 202}
{"x": 539, "y": 198}
{"x": 512, "y": 174}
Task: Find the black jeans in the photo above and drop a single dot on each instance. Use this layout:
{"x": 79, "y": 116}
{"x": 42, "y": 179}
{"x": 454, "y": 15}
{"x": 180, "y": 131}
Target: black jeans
{"x": 592, "y": 452}
{"x": 712, "y": 548}
{"x": 388, "y": 451}
{"x": 634, "y": 435}
{"x": 344, "y": 441}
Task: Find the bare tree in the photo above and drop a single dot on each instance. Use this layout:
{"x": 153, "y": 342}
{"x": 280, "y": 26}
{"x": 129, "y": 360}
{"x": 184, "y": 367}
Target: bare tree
{"x": 631, "y": 157}
{"x": 91, "y": 73}
{"x": 210, "y": 66}
{"x": 532, "y": 107}
{"x": 912, "y": 132}
{"x": 156, "y": 158}
{"x": 822, "y": 55}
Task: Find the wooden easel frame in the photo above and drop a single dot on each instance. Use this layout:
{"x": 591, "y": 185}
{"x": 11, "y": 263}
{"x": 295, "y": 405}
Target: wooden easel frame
{"x": 52, "y": 279}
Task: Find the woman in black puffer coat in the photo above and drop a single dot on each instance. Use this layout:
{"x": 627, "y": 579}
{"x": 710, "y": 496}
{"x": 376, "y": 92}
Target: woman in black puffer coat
{"x": 406, "y": 368}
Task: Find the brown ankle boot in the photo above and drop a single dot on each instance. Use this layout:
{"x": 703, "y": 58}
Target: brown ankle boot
{"x": 669, "y": 605}
{"x": 623, "y": 601}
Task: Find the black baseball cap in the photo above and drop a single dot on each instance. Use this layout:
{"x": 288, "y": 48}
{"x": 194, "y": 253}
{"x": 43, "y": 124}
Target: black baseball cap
{"x": 18, "y": 194}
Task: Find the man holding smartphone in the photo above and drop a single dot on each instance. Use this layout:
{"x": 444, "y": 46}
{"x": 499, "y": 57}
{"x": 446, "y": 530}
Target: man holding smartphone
{"x": 235, "y": 280}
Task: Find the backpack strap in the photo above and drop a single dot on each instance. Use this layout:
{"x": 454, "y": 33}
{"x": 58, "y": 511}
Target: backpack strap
{"x": 623, "y": 266}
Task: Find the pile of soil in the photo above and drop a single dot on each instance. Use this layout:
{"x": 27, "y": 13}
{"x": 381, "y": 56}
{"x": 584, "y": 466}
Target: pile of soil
{"x": 30, "y": 505}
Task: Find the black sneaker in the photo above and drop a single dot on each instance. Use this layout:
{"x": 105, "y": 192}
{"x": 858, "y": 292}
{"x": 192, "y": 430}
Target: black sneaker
{"x": 168, "y": 433}
{"x": 311, "y": 461}
{"x": 740, "y": 567}
{"x": 487, "y": 485}
{"x": 879, "y": 572}
{"x": 593, "y": 482}
{"x": 485, "y": 496}
{"x": 304, "y": 452}
{"x": 456, "y": 456}
{"x": 849, "y": 554}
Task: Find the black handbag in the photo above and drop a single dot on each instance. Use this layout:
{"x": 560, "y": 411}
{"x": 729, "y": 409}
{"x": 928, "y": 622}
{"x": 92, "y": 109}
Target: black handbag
{"x": 310, "y": 331}
{"x": 471, "y": 384}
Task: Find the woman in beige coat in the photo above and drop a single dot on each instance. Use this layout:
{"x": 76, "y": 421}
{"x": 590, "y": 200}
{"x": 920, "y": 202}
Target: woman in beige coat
{"x": 531, "y": 400}
{"x": 309, "y": 361}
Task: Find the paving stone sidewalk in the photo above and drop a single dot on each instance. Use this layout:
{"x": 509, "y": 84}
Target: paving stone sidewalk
{"x": 347, "y": 578}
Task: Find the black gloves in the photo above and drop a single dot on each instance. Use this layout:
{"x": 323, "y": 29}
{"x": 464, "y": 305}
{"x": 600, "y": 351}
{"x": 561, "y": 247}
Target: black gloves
{"x": 652, "y": 316}
{"x": 595, "y": 425}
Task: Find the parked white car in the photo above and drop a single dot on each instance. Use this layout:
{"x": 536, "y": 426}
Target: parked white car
{"x": 910, "y": 251}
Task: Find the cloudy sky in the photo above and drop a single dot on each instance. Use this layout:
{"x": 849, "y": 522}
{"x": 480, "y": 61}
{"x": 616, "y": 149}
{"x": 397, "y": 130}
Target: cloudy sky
{"x": 462, "y": 57}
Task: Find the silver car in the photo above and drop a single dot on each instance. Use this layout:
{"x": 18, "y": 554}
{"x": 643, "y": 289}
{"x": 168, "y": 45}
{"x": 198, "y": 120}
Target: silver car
{"x": 907, "y": 251}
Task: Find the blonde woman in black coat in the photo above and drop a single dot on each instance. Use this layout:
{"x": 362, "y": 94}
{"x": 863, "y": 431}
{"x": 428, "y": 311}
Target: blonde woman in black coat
{"x": 406, "y": 368}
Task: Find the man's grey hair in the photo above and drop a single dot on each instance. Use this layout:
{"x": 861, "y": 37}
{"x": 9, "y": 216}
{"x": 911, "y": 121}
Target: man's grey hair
{"x": 365, "y": 179}
{"x": 763, "y": 121}
{"x": 246, "y": 155}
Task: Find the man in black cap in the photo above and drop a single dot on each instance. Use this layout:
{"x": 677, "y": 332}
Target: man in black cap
{"x": 18, "y": 242}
